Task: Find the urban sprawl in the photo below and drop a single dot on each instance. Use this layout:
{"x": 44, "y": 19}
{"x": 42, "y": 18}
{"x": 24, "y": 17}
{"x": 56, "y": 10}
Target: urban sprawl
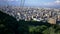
{"x": 30, "y": 13}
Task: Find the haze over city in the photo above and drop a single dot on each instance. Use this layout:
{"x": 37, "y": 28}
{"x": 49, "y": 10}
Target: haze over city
{"x": 32, "y": 3}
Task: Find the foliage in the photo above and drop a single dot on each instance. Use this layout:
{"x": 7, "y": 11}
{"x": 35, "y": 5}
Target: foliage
{"x": 9, "y": 25}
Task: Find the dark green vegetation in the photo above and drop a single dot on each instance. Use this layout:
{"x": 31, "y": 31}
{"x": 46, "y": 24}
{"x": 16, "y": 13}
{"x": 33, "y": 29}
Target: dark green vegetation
{"x": 9, "y": 25}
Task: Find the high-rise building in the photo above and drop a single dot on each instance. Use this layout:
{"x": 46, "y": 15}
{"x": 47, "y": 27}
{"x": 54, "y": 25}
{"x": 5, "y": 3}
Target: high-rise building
{"x": 58, "y": 17}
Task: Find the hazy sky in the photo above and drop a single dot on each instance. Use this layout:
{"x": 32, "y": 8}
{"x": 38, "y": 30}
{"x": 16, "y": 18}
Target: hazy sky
{"x": 43, "y": 3}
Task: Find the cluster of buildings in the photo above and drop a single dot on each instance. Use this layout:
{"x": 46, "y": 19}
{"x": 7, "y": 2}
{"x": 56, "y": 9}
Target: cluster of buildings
{"x": 37, "y": 14}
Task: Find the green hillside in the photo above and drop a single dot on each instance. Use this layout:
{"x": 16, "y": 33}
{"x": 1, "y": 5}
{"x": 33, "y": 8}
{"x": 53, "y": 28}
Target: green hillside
{"x": 9, "y": 25}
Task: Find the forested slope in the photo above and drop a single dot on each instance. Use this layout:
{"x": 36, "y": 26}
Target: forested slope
{"x": 9, "y": 25}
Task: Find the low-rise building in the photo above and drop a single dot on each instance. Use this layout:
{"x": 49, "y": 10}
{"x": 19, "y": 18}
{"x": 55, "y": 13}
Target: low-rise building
{"x": 52, "y": 21}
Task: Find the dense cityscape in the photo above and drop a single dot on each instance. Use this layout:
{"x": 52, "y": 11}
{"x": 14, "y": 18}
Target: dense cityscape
{"x": 33, "y": 13}
{"x": 29, "y": 16}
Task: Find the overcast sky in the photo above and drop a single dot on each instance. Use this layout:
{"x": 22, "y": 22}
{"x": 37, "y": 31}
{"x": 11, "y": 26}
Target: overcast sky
{"x": 43, "y": 3}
